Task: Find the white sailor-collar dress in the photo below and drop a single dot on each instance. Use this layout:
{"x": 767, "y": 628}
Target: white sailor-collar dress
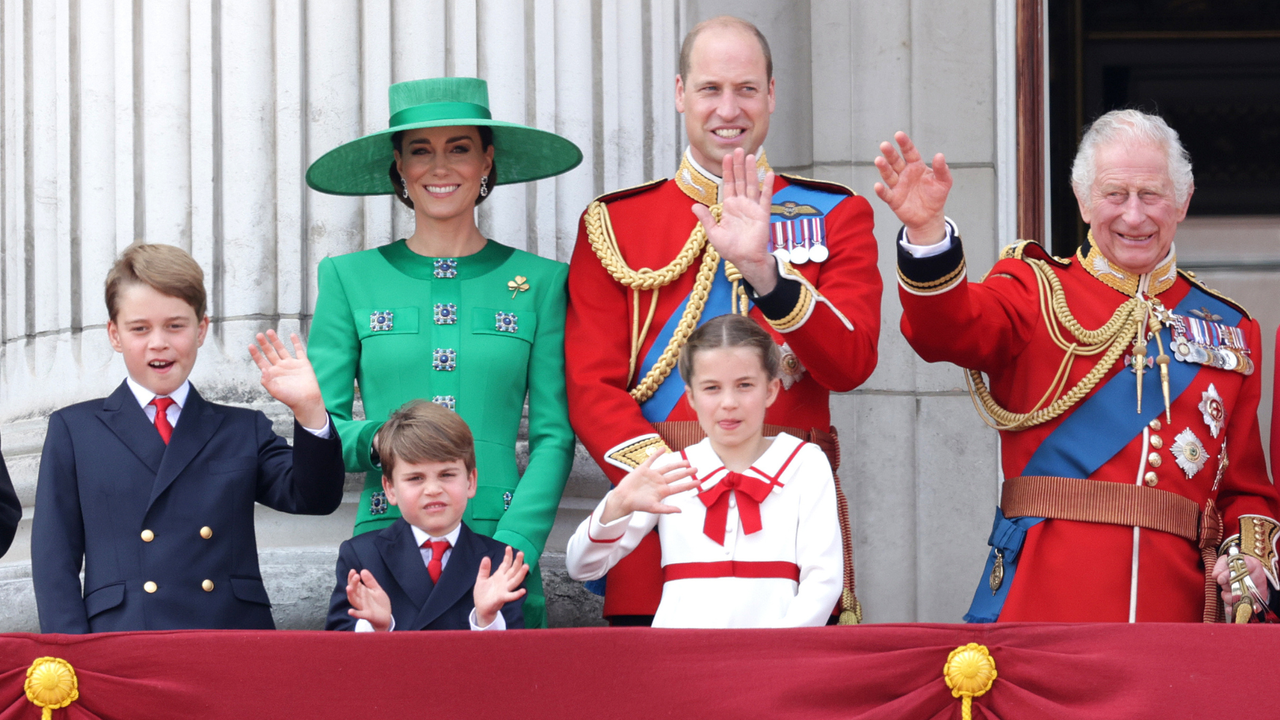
{"x": 786, "y": 570}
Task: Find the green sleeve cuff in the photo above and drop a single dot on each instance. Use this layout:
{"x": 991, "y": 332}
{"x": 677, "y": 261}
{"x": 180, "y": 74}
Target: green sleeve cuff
{"x": 364, "y": 443}
{"x": 521, "y": 543}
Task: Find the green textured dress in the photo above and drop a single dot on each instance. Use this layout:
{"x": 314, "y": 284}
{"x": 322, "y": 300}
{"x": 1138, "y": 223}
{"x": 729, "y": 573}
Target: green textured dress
{"x": 474, "y": 334}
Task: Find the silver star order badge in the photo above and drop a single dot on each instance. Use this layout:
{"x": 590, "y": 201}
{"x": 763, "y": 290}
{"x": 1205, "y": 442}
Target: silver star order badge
{"x": 1188, "y": 452}
{"x": 790, "y": 368}
{"x": 1215, "y": 415}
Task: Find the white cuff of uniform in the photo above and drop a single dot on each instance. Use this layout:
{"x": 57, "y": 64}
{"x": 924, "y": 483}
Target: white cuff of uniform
{"x": 324, "y": 432}
{"x": 598, "y": 532}
{"x": 927, "y": 251}
{"x": 363, "y": 625}
{"x": 499, "y": 622}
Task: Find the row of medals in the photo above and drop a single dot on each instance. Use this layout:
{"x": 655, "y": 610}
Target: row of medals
{"x": 1227, "y": 356}
{"x": 799, "y": 250}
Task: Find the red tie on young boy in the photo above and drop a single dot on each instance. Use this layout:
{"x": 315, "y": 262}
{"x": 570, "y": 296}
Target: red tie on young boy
{"x": 162, "y": 417}
{"x": 436, "y": 564}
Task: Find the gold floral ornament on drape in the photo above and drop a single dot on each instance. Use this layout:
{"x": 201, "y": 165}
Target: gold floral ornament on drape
{"x": 970, "y": 671}
{"x": 51, "y": 684}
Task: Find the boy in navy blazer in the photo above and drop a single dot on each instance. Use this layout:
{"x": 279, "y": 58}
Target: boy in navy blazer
{"x": 10, "y": 509}
{"x": 153, "y": 488}
{"x": 428, "y": 570}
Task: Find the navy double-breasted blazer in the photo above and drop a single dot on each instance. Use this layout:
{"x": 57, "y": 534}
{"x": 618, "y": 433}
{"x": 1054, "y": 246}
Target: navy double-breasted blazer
{"x": 10, "y": 509}
{"x": 166, "y": 532}
{"x": 393, "y": 556}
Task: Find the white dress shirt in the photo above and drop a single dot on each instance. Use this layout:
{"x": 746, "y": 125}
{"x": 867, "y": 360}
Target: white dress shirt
{"x": 926, "y": 251}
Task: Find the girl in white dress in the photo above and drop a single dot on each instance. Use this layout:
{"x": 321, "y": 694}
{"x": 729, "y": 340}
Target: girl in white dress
{"x": 747, "y": 523}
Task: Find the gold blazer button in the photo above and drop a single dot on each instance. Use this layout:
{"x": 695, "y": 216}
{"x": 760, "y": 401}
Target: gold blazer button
{"x": 207, "y": 585}
{"x": 206, "y": 532}
{"x": 149, "y": 586}
{"x": 148, "y": 536}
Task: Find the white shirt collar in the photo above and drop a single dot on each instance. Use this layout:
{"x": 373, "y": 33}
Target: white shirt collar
{"x": 145, "y": 396}
{"x": 767, "y": 467}
{"x": 421, "y": 536}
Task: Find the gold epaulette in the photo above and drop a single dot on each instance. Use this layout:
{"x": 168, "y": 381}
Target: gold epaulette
{"x": 827, "y": 185}
{"x": 629, "y": 191}
{"x": 1024, "y": 249}
{"x": 1191, "y": 278}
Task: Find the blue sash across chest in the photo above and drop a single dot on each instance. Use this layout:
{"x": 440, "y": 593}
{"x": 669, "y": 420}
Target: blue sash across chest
{"x": 1095, "y": 431}
{"x": 720, "y": 301}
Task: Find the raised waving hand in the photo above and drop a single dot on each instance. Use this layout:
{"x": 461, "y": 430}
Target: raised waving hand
{"x": 914, "y": 191}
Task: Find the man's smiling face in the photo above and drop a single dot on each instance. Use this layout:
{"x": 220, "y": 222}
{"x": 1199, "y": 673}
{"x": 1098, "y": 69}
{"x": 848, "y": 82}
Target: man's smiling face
{"x": 1131, "y": 209}
{"x": 727, "y": 96}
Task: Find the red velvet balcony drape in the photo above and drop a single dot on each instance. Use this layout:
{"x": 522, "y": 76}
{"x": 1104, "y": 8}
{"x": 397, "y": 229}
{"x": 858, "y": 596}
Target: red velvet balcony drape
{"x": 879, "y": 671}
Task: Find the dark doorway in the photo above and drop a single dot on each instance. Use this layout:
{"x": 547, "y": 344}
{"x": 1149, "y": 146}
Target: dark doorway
{"x": 1211, "y": 68}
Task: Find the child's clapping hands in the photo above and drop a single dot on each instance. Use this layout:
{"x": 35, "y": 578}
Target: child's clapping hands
{"x": 503, "y": 586}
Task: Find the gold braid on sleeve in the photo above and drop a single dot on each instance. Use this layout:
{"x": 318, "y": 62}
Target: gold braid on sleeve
{"x": 1130, "y": 322}
{"x": 605, "y": 244}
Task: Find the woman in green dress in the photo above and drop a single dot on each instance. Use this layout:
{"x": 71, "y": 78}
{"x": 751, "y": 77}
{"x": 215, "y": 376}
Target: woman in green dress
{"x": 447, "y": 315}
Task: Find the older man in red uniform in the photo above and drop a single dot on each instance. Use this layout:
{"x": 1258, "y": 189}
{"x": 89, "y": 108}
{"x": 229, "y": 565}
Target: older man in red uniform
{"x": 655, "y": 261}
{"x": 1118, "y": 384}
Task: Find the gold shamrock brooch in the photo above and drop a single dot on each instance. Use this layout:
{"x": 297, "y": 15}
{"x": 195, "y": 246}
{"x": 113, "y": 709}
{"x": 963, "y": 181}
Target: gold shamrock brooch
{"x": 518, "y": 285}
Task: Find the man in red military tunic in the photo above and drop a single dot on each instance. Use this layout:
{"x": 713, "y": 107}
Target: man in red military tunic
{"x": 1117, "y": 382}
{"x": 797, "y": 255}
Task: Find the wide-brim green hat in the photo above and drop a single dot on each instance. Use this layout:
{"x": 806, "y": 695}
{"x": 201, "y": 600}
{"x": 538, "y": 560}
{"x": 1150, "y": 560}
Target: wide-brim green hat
{"x": 520, "y": 153}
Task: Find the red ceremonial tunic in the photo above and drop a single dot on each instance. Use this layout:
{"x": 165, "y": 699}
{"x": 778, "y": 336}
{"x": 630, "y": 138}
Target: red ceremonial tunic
{"x": 652, "y": 224}
{"x": 1080, "y": 571}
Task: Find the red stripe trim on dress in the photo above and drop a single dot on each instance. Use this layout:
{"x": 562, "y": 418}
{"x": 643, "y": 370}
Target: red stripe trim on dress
{"x": 731, "y": 568}
{"x": 774, "y": 478}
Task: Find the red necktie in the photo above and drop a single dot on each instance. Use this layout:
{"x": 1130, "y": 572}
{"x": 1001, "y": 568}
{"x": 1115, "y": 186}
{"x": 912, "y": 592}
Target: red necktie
{"x": 751, "y": 492}
{"x": 436, "y": 564}
{"x": 162, "y": 418}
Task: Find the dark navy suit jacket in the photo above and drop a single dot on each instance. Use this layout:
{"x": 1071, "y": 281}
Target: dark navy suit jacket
{"x": 113, "y": 495}
{"x": 393, "y": 556}
{"x": 10, "y": 509}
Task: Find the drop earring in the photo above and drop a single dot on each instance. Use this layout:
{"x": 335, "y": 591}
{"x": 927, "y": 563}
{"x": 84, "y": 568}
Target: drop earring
{"x": 484, "y": 186}
{"x": 404, "y": 188}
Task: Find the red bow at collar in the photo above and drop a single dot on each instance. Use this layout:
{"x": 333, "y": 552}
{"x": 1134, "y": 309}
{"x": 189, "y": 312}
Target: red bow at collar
{"x": 751, "y": 492}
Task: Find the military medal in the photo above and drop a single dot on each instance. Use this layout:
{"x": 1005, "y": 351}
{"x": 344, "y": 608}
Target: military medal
{"x": 800, "y": 253}
{"x": 780, "y": 240}
{"x": 791, "y": 368}
{"x": 1188, "y": 452}
{"x": 801, "y": 240}
{"x": 818, "y": 249}
{"x": 1222, "y": 466}
{"x": 1214, "y": 413}
{"x": 997, "y": 572}
{"x": 1201, "y": 341}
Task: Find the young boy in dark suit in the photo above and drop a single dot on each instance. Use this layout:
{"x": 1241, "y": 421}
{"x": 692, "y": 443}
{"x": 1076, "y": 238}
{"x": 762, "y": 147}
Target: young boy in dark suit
{"x": 428, "y": 570}
{"x": 10, "y": 509}
{"x": 153, "y": 488}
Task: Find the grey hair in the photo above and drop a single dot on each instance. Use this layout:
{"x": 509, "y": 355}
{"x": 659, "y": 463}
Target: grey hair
{"x": 1132, "y": 126}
